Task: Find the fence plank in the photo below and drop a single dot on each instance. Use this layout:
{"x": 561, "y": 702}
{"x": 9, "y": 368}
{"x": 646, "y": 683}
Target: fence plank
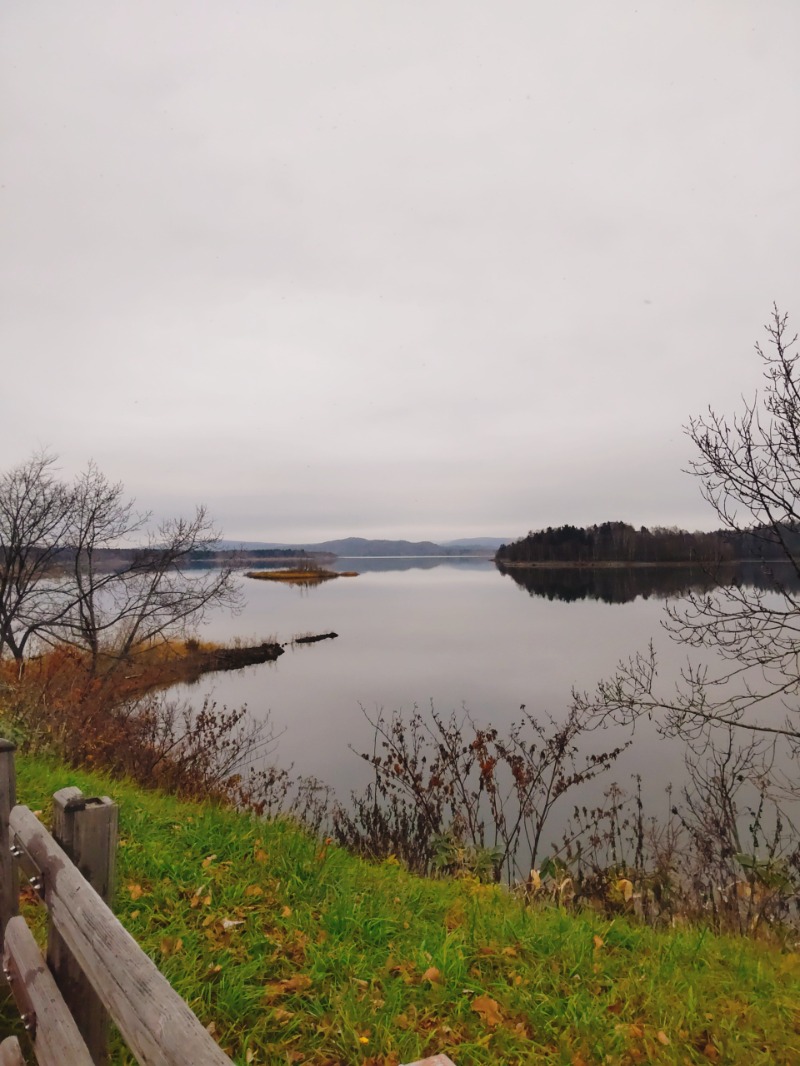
{"x": 86, "y": 828}
{"x": 156, "y": 1023}
{"x": 56, "y": 1039}
{"x": 9, "y": 878}
{"x": 435, "y": 1060}
{"x": 11, "y": 1053}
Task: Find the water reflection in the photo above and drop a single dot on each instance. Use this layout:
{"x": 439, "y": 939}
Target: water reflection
{"x": 622, "y": 584}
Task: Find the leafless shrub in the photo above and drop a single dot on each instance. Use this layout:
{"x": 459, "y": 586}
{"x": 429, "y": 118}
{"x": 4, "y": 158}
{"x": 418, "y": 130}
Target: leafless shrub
{"x": 449, "y": 778}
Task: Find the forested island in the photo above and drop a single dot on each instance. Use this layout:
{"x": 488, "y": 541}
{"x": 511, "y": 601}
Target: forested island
{"x": 622, "y": 544}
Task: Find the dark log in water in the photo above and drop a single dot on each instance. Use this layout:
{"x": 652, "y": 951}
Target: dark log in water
{"x": 314, "y": 639}
{"x": 235, "y": 658}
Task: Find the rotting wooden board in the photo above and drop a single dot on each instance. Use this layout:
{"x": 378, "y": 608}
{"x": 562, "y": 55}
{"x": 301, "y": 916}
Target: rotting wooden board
{"x": 56, "y": 1039}
{"x": 157, "y": 1025}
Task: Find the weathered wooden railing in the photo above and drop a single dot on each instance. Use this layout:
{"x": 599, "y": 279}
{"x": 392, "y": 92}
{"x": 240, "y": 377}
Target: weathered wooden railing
{"x": 94, "y": 971}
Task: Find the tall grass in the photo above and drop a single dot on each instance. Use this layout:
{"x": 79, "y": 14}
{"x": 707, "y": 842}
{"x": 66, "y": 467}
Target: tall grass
{"x": 292, "y": 950}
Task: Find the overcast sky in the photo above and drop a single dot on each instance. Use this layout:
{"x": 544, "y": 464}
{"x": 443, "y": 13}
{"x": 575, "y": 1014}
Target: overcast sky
{"x": 400, "y": 268}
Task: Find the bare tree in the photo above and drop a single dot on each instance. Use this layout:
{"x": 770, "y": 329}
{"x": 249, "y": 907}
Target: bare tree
{"x": 71, "y": 572}
{"x": 749, "y": 472}
{"x": 153, "y": 596}
{"x": 34, "y": 511}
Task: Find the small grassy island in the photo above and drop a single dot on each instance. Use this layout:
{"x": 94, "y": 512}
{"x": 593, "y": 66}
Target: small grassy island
{"x": 307, "y": 576}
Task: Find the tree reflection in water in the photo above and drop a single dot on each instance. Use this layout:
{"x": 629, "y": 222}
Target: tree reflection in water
{"x": 622, "y": 584}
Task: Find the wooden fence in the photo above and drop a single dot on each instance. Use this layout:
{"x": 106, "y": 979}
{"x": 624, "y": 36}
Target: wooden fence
{"x": 94, "y": 971}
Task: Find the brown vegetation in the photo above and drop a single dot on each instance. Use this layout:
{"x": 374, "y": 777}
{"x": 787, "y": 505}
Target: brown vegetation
{"x": 117, "y": 717}
{"x": 304, "y": 576}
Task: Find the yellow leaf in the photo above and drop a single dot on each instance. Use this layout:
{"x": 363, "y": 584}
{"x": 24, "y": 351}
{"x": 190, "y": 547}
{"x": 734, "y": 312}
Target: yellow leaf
{"x": 134, "y": 914}
{"x": 197, "y": 897}
{"x": 171, "y": 945}
{"x": 206, "y": 863}
{"x": 433, "y": 975}
{"x": 136, "y": 891}
{"x": 662, "y": 1037}
{"x": 598, "y": 942}
{"x": 489, "y": 1010}
{"x": 292, "y": 984}
{"x": 625, "y": 889}
{"x": 260, "y": 855}
{"x": 254, "y": 890}
{"x": 286, "y": 912}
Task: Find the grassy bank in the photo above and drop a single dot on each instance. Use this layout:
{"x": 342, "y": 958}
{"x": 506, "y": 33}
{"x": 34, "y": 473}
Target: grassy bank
{"x": 295, "y": 951}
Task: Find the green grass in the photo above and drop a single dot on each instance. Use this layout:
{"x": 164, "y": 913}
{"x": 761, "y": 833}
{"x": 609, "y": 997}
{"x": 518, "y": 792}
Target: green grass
{"x": 339, "y": 961}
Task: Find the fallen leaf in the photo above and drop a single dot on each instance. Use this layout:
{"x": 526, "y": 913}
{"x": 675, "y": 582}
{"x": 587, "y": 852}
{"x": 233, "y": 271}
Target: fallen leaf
{"x": 489, "y": 1010}
{"x": 207, "y": 861}
{"x": 292, "y": 984}
{"x": 286, "y": 912}
{"x": 254, "y": 890}
{"x": 250, "y": 1055}
{"x": 404, "y": 970}
{"x": 625, "y": 889}
{"x": 229, "y": 923}
{"x": 171, "y": 945}
{"x": 598, "y": 942}
{"x": 433, "y": 975}
{"x": 135, "y": 914}
{"x": 662, "y": 1037}
{"x": 136, "y": 891}
{"x": 711, "y": 1052}
{"x": 260, "y": 856}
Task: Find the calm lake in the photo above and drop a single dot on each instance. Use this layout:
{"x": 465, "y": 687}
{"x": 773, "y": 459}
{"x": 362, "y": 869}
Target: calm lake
{"x": 457, "y": 633}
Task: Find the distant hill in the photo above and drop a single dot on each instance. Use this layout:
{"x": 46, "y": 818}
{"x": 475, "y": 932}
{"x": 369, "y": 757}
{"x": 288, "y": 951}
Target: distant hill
{"x": 489, "y": 543}
{"x": 365, "y": 547}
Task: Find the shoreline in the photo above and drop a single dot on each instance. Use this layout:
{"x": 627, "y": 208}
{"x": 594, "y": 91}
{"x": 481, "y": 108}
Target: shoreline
{"x": 622, "y": 565}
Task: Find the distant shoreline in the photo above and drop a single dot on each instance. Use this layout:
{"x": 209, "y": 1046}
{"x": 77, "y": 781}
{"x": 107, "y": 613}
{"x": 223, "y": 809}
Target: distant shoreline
{"x": 622, "y": 565}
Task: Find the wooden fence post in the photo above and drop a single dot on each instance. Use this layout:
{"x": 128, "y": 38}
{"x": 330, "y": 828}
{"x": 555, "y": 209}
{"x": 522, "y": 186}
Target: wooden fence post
{"x": 9, "y": 878}
{"x": 10, "y": 1054}
{"x": 86, "y": 828}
